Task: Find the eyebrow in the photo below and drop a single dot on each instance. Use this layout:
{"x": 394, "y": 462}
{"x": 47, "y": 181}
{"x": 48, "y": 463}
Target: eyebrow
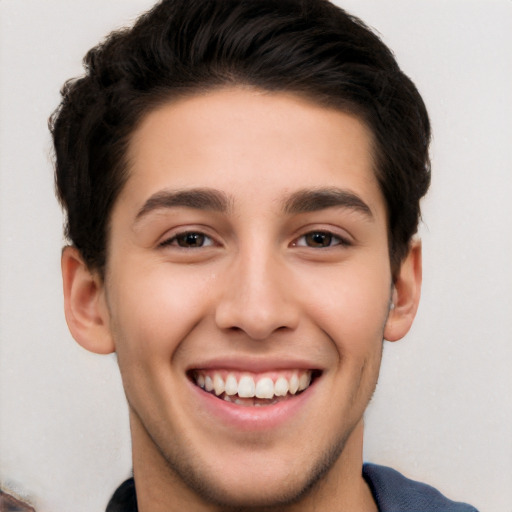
{"x": 198, "y": 198}
{"x": 304, "y": 201}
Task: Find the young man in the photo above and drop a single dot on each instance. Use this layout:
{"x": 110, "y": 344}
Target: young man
{"x": 242, "y": 182}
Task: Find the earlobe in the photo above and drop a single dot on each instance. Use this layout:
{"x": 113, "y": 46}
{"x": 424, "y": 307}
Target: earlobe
{"x": 85, "y": 307}
{"x": 405, "y": 296}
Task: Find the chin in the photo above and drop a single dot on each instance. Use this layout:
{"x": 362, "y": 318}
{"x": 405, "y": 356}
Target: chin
{"x": 258, "y": 482}
{"x": 252, "y": 492}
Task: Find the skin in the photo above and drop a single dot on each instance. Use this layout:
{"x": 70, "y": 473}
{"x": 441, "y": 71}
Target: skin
{"x": 257, "y": 291}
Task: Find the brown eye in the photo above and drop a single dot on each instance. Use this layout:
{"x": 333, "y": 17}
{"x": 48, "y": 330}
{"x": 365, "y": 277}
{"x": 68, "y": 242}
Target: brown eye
{"x": 318, "y": 239}
{"x": 188, "y": 240}
{"x": 191, "y": 240}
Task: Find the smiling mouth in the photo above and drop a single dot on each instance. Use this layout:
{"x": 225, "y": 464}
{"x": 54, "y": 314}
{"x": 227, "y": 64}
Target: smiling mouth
{"x": 247, "y": 389}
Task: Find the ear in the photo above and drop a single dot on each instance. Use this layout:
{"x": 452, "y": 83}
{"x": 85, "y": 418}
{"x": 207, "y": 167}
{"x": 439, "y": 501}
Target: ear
{"x": 405, "y": 296}
{"x": 85, "y": 306}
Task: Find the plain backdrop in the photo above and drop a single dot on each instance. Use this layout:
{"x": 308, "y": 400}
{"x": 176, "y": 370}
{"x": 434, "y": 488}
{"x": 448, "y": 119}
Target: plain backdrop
{"x": 443, "y": 409}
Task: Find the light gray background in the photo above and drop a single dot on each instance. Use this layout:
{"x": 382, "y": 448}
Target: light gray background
{"x": 443, "y": 409}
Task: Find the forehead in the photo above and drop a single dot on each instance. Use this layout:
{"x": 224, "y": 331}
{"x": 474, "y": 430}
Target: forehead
{"x": 241, "y": 137}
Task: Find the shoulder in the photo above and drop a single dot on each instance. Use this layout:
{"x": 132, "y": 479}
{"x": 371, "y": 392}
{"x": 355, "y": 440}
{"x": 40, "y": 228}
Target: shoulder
{"x": 393, "y": 492}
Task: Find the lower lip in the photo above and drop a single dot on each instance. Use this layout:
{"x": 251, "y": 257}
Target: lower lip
{"x": 252, "y": 418}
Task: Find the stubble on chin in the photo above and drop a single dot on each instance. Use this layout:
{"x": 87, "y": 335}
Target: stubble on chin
{"x": 207, "y": 488}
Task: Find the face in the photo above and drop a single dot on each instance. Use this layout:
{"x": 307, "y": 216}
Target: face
{"x": 247, "y": 287}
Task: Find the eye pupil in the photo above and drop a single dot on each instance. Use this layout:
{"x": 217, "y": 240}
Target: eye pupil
{"x": 318, "y": 239}
{"x": 191, "y": 240}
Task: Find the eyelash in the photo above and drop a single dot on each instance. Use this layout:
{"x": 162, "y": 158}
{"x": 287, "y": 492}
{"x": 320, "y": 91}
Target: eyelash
{"x": 176, "y": 239}
{"x": 339, "y": 241}
{"x": 332, "y": 240}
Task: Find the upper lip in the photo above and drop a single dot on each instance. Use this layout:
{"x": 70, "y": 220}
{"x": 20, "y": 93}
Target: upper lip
{"x": 253, "y": 364}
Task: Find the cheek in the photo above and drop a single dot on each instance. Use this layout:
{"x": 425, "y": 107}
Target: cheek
{"x": 154, "y": 310}
{"x": 352, "y": 306}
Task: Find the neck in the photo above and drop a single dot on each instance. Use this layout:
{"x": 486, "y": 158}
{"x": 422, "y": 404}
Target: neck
{"x": 160, "y": 489}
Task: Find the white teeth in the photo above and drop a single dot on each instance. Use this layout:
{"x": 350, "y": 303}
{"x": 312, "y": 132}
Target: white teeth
{"x": 265, "y": 388}
{"x": 246, "y": 387}
{"x": 218, "y": 384}
{"x": 281, "y": 387}
{"x": 231, "y": 387}
{"x": 294, "y": 384}
{"x": 304, "y": 381}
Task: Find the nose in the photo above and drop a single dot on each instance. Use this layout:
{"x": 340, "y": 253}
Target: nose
{"x": 257, "y": 298}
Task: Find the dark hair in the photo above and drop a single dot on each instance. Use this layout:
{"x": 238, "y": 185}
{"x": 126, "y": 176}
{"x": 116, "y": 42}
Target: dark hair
{"x": 181, "y": 47}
